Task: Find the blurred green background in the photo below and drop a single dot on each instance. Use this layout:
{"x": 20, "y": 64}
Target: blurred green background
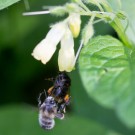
{"x": 22, "y": 78}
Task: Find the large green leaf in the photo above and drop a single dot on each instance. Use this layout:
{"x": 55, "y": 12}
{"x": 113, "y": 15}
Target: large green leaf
{"x": 6, "y": 3}
{"x": 23, "y": 120}
{"x": 107, "y": 70}
{"x": 85, "y": 106}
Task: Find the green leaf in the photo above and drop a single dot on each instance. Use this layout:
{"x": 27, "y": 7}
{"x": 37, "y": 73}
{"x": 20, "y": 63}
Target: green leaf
{"x": 23, "y": 120}
{"x": 129, "y": 8}
{"x": 6, "y": 3}
{"x": 85, "y": 106}
{"x": 107, "y": 71}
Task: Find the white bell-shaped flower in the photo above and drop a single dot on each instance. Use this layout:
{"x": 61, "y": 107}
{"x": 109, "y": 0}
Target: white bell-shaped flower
{"x": 46, "y": 48}
{"x": 66, "y": 56}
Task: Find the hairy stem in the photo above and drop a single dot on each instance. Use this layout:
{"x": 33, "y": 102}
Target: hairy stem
{"x": 116, "y": 24}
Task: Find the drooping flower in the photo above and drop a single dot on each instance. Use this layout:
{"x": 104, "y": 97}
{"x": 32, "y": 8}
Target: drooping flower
{"x": 66, "y": 56}
{"x": 63, "y": 31}
{"x": 46, "y": 48}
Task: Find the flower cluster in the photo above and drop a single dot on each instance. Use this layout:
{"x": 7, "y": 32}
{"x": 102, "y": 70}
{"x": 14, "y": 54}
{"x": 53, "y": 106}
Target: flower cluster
{"x": 62, "y": 32}
{"x": 66, "y": 30}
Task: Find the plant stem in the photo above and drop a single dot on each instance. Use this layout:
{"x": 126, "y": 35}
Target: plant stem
{"x": 78, "y": 52}
{"x": 116, "y": 24}
{"x": 83, "y": 6}
{"x": 36, "y": 13}
{"x": 97, "y": 14}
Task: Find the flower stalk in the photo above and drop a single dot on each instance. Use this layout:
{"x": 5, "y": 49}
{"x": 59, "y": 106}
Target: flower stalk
{"x": 36, "y": 13}
{"x": 116, "y": 24}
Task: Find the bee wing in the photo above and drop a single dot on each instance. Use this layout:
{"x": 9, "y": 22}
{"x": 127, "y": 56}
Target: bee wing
{"x": 59, "y": 116}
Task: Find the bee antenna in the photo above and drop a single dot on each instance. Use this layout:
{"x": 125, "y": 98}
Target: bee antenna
{"x": 50, "y": 79}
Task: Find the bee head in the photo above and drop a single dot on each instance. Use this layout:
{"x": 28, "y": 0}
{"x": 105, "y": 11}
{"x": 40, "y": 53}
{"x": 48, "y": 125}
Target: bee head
{"x": 50, "y": 101}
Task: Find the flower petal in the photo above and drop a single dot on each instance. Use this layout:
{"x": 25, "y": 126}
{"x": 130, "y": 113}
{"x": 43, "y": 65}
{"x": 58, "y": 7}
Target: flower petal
{"x": 66, "y": 60}
{"x": 66, "y": 56}
{"x": 43, "y": 51}
{"x": 46, "y": 48}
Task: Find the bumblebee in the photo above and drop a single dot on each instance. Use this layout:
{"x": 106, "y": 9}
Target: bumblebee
{"x": 60, "y": 90}
{"x": 47, "y": 112}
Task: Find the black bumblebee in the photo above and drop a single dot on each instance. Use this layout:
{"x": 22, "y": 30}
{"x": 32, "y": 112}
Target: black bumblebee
{"x": 60, "y": 90}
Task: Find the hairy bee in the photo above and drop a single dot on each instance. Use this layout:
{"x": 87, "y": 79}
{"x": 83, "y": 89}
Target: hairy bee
{"x": 60, "y": 90}
{"x": 47, "y": 113}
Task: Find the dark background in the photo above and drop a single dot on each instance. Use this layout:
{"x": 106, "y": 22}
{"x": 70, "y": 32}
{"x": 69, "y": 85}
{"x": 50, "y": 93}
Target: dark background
{"x": 22, "y": 78}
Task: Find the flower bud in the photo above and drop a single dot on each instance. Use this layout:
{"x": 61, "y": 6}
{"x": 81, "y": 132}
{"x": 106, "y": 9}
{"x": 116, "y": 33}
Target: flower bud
{"x": 74, "y": 22}
{"x": 87, "y": 33}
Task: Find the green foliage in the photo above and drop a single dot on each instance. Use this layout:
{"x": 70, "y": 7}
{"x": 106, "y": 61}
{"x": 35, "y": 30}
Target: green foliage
{"x": 84, "y": 106}
{"x": 129, "y": 8}
{"x": 108, "y": 70}
{"x": 23, "y": 119}
{"x": 22, "y": 77}
{"x": 6, "y": 3}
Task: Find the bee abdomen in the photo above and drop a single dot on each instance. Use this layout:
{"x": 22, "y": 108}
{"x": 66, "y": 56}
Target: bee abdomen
{"x": 46, "y": 123}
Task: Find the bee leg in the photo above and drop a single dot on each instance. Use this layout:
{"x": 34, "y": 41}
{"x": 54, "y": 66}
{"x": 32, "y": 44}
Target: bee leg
{"x": 50, "y": 90}
{"x": 59, "y": 116}
{"x": 67, "y": 99}
{"x": 67, "y": 102}
{"x": 62, "y": 108}
{"x": 39, "y": 100}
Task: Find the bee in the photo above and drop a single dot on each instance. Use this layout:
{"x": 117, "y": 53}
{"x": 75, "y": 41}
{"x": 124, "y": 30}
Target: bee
{"x": 47, "y": 112}
{"x": 60, "y": 90}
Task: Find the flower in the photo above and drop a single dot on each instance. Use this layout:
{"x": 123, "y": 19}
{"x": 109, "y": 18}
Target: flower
{"x": 46, "y": 48}
{"x": 74, "y": 23}
{"x": 66, "y": 56}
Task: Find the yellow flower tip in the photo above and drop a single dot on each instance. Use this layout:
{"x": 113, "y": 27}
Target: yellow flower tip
{"x": 66, "y": 60}
{"x": 74, "y": 24}
{"x": 70, "y": 69}
{"x": 67, "y": 68}
{"x": 75, "y": 30}
{"x": 38, "y": 58}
